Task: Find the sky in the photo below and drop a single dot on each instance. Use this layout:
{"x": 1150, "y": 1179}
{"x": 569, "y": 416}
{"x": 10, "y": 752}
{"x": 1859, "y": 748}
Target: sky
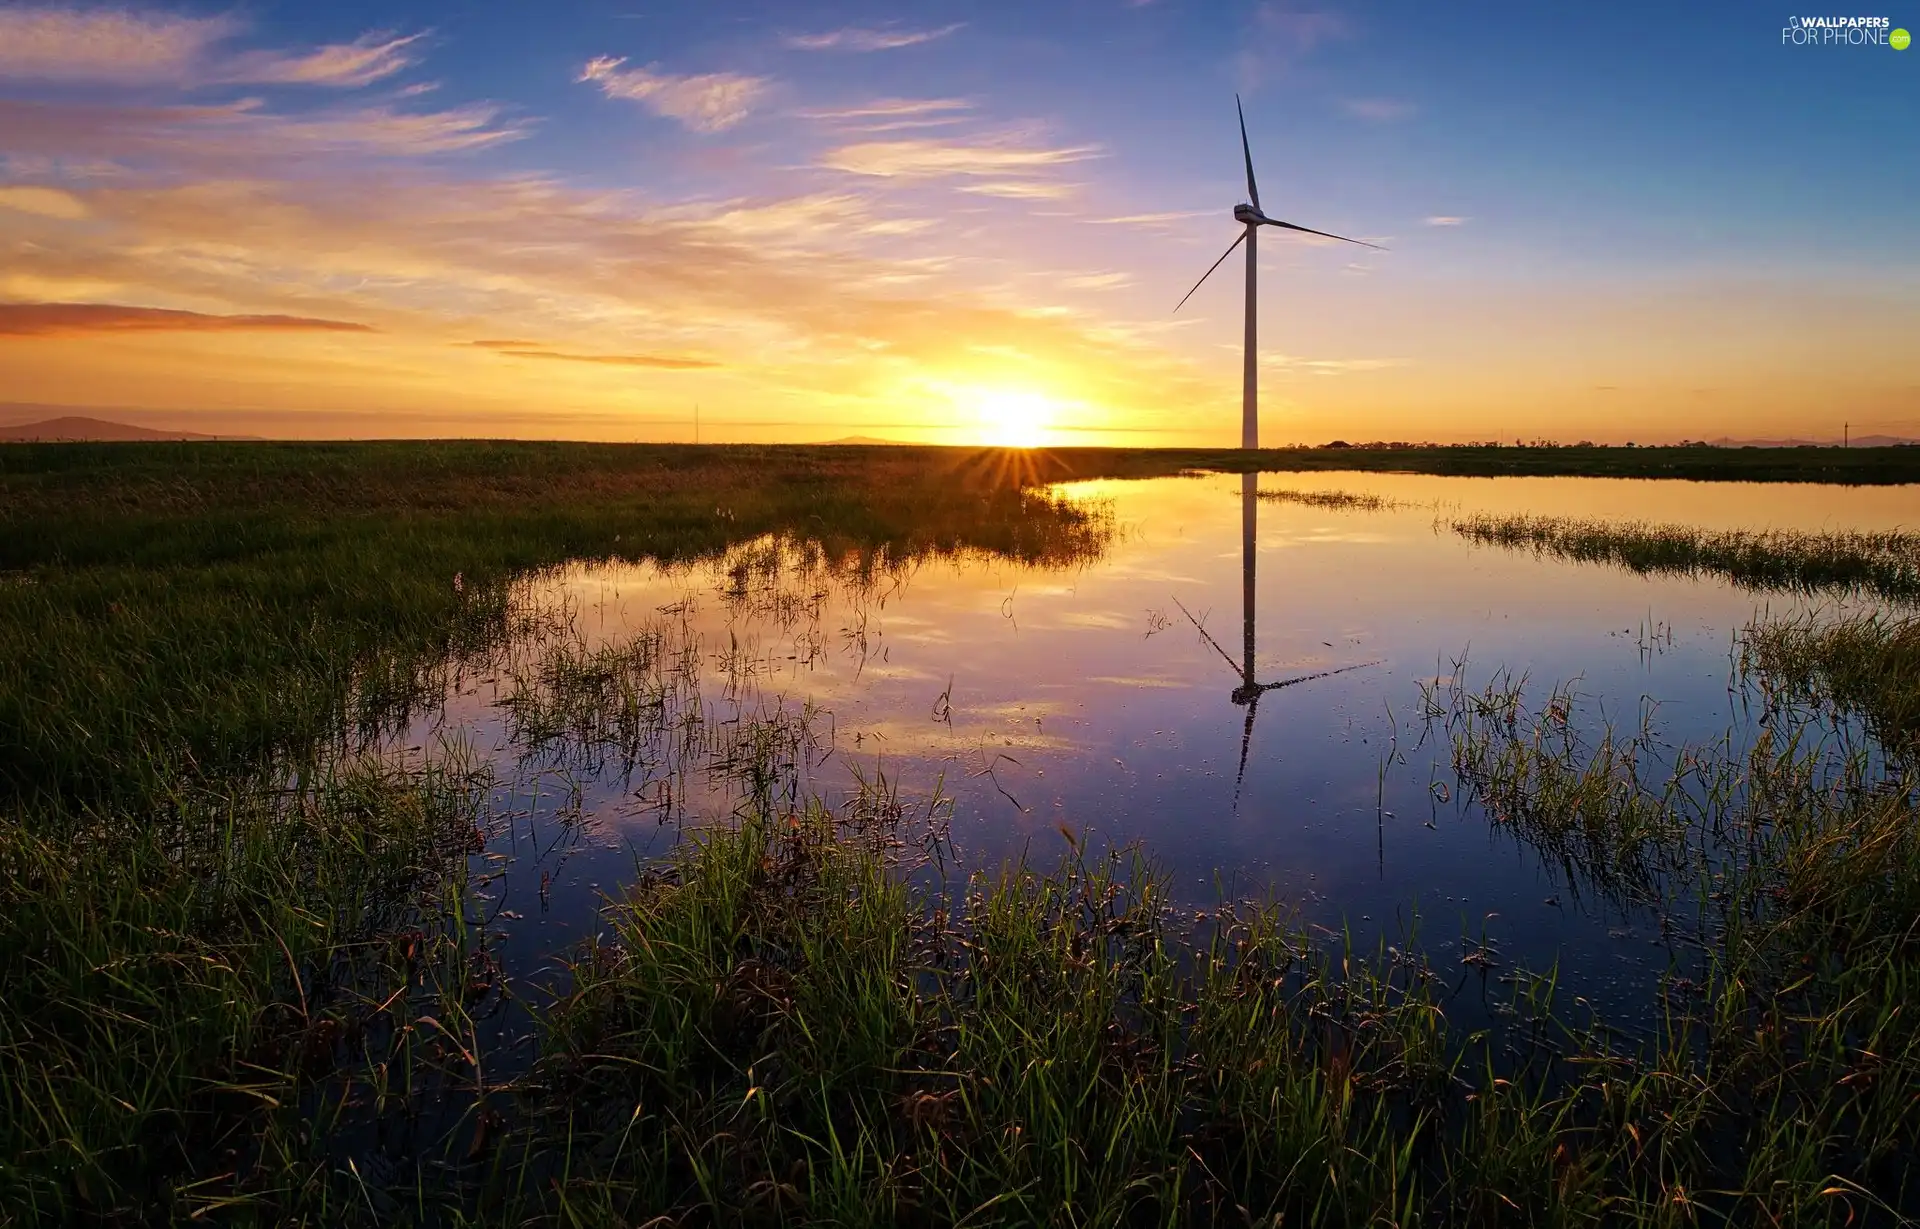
{"x": 957, "y": 223}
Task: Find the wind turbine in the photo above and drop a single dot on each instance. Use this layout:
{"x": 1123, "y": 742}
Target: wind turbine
{"x": 1251, "y": 217}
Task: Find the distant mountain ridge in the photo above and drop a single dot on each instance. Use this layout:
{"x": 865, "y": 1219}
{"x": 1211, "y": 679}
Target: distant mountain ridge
{"x": 78, "y": 427}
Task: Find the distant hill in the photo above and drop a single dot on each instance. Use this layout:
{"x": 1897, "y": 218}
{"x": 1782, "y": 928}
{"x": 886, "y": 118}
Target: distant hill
{"x": 74, "y": 427}
{"x": 1858, "y": 441}
{"x": 859, "y": 439}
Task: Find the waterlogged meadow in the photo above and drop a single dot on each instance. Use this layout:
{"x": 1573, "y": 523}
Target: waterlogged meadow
{"x": 730, "y": 848}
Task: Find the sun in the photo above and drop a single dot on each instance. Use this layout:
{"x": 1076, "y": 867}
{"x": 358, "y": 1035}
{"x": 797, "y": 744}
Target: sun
{"x": 1012, "y": 418}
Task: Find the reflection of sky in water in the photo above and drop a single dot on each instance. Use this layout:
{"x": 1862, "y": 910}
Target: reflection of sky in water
{"x": 1096, "y": 706}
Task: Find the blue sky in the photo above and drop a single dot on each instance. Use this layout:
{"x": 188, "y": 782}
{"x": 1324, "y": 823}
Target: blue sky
{"x": 958, "y": 221}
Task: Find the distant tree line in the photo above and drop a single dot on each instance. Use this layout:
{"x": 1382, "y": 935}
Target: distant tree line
{"x": 1536, "y": 443}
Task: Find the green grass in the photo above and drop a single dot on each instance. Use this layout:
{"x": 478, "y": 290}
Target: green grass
{"x": 1864, "y": 665}
{"x": 173, "y": 977}
{"x": 172, "y": 607}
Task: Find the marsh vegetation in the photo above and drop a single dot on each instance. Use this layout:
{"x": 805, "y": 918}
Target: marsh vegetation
{"x": 255, "y": 947}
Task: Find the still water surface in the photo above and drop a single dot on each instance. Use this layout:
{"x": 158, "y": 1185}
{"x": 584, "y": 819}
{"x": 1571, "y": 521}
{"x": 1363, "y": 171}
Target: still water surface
{"x": 1131, "y": 699}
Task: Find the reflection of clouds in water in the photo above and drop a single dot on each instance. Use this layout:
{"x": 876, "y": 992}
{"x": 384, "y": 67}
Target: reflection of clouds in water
{"x": 1117, "y": 680}
{"x": 1089, "y": 618}
{"x": 1323, "y": 535}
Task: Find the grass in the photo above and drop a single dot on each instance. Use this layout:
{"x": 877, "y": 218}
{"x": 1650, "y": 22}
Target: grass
{"x": 168, "y": 607}
{"x": 1884, "y": 565}
{"x": 1346, "y": 501}
{"x": 1864, "y": 665}
{"x": 170, "y": 985}
{"x": 245, "y": 980}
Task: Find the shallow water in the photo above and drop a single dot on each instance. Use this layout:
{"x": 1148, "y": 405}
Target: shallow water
{"x": 1032, "y": 705}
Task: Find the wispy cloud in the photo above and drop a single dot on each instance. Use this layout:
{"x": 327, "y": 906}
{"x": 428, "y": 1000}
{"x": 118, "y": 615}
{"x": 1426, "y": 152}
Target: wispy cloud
{"x": 533, "y": 349}
{"x": 931, "y": 159}
{"x": 894, "y": 114}
{"x": 1441, "y": 219}
{"x": 859, "y": 38}
{"x": 1100, "y": 281}
{"x": 1023, "y": 189}
{"x": 45, "y": 202}
{"x": 704, "y": 102}
{"x": 129, "y": 47}
{"x": 1151, "y": 219}
{"x": 893, "y": 108}
{"x": 78, "y": 319}
{"x": 1379, "y": 110}
{"x": 370, "y": 58}
{"x": 1327, "y": 366}
{"x": 244, "y": 131}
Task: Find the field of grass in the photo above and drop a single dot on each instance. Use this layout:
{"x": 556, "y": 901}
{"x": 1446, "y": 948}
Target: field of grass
{"x": 242, "y": 980}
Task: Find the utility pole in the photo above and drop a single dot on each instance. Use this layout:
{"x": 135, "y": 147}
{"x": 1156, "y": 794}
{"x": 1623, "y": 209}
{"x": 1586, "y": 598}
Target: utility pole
{"x": 696, "y": 422}
{"x": 1846, "y": 435}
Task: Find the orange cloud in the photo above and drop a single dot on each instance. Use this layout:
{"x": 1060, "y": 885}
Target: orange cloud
{"x": 928, "y": 159}
{"x": 76, "y": 319}
{"x": 44, "y": 202}
{"x": 531, "y": 349}
{"x": 242, "y": 132}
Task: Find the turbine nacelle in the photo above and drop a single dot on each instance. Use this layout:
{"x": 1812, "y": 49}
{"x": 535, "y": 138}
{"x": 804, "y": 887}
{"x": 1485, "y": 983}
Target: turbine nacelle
{"x": 1250, "y": 215}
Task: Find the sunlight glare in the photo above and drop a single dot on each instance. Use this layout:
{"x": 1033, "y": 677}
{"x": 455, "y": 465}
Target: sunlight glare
{"x": 1012, "y": 418}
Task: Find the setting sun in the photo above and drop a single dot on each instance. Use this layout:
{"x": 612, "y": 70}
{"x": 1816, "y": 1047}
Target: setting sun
{"x": 1012, "y": 418}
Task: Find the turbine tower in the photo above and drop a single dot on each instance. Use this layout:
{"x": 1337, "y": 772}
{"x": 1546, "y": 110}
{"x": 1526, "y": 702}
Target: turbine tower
{"x": 1251, "y": 217}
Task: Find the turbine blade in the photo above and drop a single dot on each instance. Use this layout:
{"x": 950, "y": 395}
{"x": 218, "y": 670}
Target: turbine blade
{"x": 1209, "y": 273}
{"x": 1323, "y": 234}
{"x": 1253, "y": 189}
{"x": 1246, "y": 740}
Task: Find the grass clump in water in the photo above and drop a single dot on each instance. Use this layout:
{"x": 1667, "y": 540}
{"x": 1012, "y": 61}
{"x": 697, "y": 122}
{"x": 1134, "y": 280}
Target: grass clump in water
{"x": 1346, "y": 501}
{"x": 1862, "y": 664}
{"x": 1885, "y": 564}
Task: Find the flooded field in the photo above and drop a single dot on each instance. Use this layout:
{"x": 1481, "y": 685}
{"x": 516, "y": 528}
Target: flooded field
{"x": 1276, "y": 722}
{"x": 887, "y": 836}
